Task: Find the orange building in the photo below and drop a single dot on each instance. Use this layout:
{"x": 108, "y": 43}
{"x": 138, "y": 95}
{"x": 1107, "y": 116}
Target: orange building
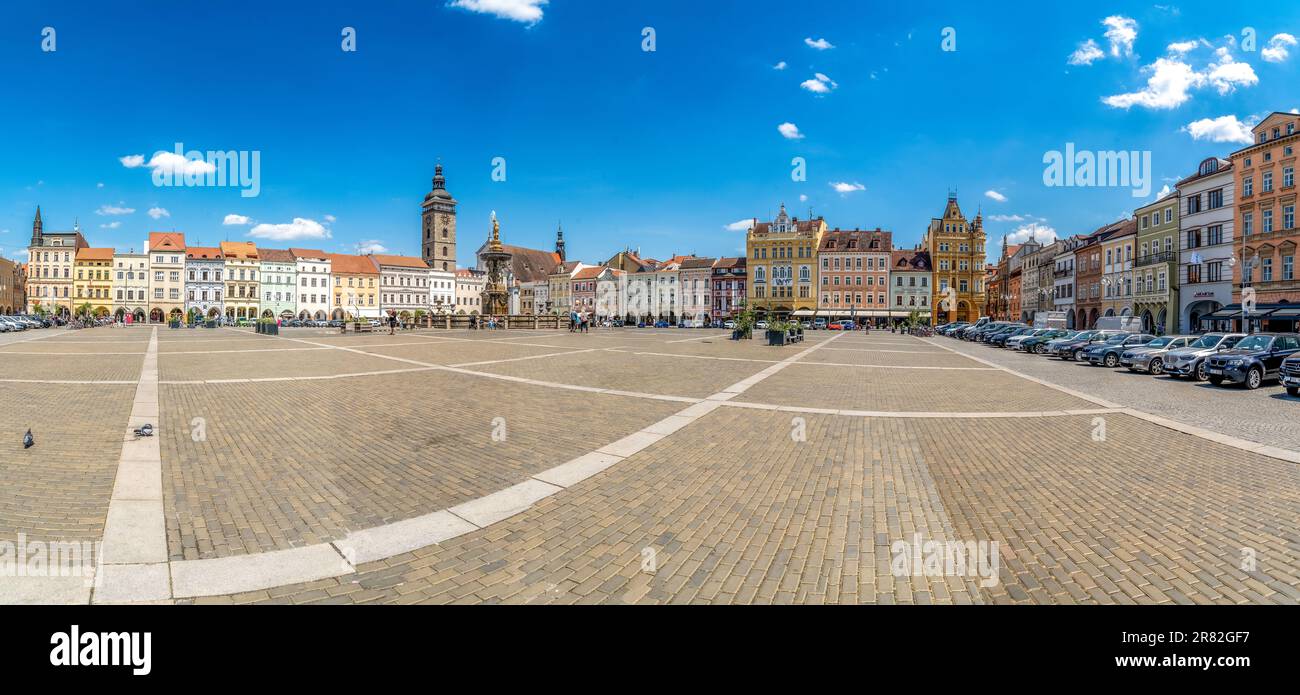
{"x": 356, "y": 287}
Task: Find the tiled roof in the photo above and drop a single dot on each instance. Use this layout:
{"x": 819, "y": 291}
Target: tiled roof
{"x": 697, "y": 263}
{"x": 400, "y": 261}
{"x": 203, "y": 252}
{"x": 239, "y": 250}
{"x": 91, "y": 254}
{"x": 309, "y": 254}
{"x": 588, "y": 273}
{"x": 530, "y": 265}
{"x": 910, "y": 260}
{"x": 166, "y": 241}
{"x": 839, "y": 239}
{"x": 349, "y": 264}
{"x": 275, "y": 255}
{"x": 729, "y": 262}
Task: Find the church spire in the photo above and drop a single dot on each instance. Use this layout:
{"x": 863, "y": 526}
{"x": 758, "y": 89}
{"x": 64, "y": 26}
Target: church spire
{"x": 37, "y": 228}
{"x": 559, "y": 241}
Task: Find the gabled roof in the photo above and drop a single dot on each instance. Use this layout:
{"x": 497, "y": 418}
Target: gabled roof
{"x": 839, "y": 240}
{"x": 910, "y": 260}
{"x": 530, "y": 265}
{"x": 697, "y": 263}
{"x": 588, "y": 273}
{"x": 166, "y": 241}
{"x": 730, "y": 262}
{"x": 348, "y": 264}
{"x": 203, "y": 253}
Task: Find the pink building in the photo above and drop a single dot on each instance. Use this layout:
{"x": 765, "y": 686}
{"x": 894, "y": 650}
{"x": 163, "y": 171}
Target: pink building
{"x": 728, "y": 287}
{"x": 853, "y": 266}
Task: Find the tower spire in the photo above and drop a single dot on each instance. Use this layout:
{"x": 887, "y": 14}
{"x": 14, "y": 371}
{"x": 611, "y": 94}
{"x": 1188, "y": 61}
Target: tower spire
{"x": 37, "y": 228}
{"x": 559, "y": 240}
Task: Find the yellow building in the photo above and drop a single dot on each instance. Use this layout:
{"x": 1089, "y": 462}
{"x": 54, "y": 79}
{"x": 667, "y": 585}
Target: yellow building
{"x": 92, "y": 281}
{"x": 356, "y": 287}
{"x": 957, "y": 255}
{"x": 783, "y": 265}
{"x": 242, "y": 285}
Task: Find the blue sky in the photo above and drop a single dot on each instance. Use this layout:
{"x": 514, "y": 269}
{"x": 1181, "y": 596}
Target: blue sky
{"x": 658, "y": 150}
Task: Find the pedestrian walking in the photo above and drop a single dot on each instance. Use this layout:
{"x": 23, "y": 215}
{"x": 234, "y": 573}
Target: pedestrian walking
{"x": 392, "y": 322}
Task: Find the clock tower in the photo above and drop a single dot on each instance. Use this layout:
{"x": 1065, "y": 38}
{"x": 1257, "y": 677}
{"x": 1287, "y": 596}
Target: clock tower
{"x": 438, "y": 226}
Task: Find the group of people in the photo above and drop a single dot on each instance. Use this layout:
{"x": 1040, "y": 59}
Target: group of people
{"x": 579, "y": 321}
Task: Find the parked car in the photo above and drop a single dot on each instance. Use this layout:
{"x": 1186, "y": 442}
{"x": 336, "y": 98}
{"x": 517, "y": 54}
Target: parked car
{"x": 1037, "y": 344}
{"x": 819, "y": 323}
{"x": 1110, "y": 352}
{"x": 729, "y": 324}
{"x": 951, "y": 328}
{"x": 1289, "y": 374}
{"x": 12, "y": 324}
{"x": 1074, "y": 349}
{"x": 1150, "y": 358}
{"x": 761, "y": 325}
{"x": 1001, "y": 332}
{"x": 1252, "y": 360}
{"x": 1190, "y": 361}
{"x": 1004, "y": 340}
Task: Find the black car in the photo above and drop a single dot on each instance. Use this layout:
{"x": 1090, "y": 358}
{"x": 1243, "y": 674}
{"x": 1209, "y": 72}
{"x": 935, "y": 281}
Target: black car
{"x": 1254, "y": 359}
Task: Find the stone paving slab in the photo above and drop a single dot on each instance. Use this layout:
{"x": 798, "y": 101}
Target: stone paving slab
{"x": 55, "y": 366}
{"x": 449, "y": 352}
{"x": 265, "y": 365}
{"x": 867, "y": 388}
{"x": 644, "y": 373}
{"x": 60, "y": 488}
{"x": 291, "y": 463}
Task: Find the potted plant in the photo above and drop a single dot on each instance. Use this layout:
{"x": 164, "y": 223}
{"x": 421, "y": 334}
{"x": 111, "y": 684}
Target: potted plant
{"x": 777, "y": 332}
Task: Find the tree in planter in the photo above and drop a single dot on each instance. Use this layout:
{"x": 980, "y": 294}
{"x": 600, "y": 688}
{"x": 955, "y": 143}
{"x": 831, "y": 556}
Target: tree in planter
{"x": 83, "y": 310}
{"x": 745, "y": 323}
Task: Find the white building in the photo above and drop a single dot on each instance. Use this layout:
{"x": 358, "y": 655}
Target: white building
{"x": 1063, "y": 288}
{"x": 313, "y": 271}
{"x": 442, "y": 291}
{"x": 1205, "y": 250}
{"x": 131, "y": 286}
{"x": 403, "y": 285}
{"x": 204, "y": 283}
{"x": 469, "y": 290}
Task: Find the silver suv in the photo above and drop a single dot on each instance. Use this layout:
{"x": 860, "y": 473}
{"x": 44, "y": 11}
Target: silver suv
{"x": 1190, "y": 361}
{"x": 1150, "y": 358}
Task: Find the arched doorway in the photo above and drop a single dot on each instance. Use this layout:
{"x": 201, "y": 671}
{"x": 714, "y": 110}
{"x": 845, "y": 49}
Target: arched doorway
{"x": 155, "y": 315}
{"x": 175, "y": 315}
{"x": 119, "y": 315}
{"x": 1110, "y": 312}
{"x": 337, "y": 315}
{"x": 1092, "y": 318}
{"x": 1148, "y": 322}
{"x": 1162, "y": 321}
{"x": 286, "y": 315}
{"x": 303, "y": 315}
{"x": 266, "y": 314}
{"x": 1069, "y": 320}
{"x": 320, "y": 315}
{"x": 138, "y": 316}
{"x": 213, "y": 313}
{"x": 1198, "y": 310}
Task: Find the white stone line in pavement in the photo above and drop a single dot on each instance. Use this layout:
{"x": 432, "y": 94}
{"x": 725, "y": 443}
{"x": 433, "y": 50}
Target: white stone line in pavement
{"x": 134, "y": 528}
{"x": 918, "y": 414}
{"x": 802, "y": 364}
{"x": 526, "y": 357}
{"x": 65, "y": 381}
{"x": 907, "y": 352}
{"x": 496, "y": 341}
{"x": 241, "y": 573}
{"x": 61, "y": 354}
{"x": 1209, "y": 435}
{"x": 315, "y": 377}
{"x": 702, "y": 337}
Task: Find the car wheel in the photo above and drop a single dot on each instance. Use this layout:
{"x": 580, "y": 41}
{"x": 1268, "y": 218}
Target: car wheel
{"x": 1112, "y": 360}
{"x": 1078, "y": 355}
{"x": 1157, "y": 367}
{"x": 1254, "y": 378}
{"x": 1216, "y": 380}
{"x": 1200, "y": 372}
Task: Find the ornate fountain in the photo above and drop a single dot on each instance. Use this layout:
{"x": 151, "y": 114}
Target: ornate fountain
{"x": 495, "y": 258}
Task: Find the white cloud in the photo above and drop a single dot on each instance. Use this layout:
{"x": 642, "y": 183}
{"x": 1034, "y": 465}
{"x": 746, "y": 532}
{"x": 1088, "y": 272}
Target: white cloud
{"x": 371, "y": 246}
{"x": 1038, "y": 232}
{"x": 845, "y": 188}
{"x": 739, "y": 226}
{"x": 1007, "y": 218}
{"x": 803, "y": 198}
{"x": 178, "y": 165}
{"x": 1221, "y": 129}
{"x": 1277, "y": 49}
{"x": 132, "y": 161}
{"x": 1086, "y": 53}
{"x": 1167, "y": 87}
{"x": 330, "y": 218}
{"x": 158, "y": 213}
{"x": 1181, "y": 47}
{"x": 1122, "y": 32}
{"x": 994, "y": 195}
{"x": 99, "y": 185}
{"x": 1228, "y": 74}
{"x": 300, "y": 228}
{"x": 232, "y": 219}
{"x": 111, "y": 225}
{"x": 819, "y": 84}
{"x": 114, "y": 210}
{"x": 779, "y": 66}
{"x": 819, "y": 44}
{"x": 790, "y": 131}
{"x": 525, "y": 11}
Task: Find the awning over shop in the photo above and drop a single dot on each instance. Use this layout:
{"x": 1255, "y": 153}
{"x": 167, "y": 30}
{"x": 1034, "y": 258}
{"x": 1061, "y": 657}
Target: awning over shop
{"x": 803, "y": 312}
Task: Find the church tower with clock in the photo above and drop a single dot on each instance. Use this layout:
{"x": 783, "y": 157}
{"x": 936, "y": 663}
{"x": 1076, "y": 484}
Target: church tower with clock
{"x": 438, "y": 243}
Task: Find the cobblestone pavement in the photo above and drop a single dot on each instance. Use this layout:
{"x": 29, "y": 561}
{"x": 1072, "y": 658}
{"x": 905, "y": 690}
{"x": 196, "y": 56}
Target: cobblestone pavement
{"x": 1265, "y": 415}
{"x": 871, "y": 469}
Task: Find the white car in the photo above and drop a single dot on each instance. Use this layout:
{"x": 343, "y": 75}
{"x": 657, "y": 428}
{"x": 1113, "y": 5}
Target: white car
{"x": 761, "y": 325}
{"x": 1013, "y": 343}
{"x": 728, "y": 324}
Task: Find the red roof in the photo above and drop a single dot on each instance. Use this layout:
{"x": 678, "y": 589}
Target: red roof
{"x": 166, "y": 241}
{"x": 348, "y": 264}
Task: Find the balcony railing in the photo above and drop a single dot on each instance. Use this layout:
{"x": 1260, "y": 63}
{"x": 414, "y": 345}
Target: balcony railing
{"x": 1061, "y": 273}
{"x": 1153, "y": 258}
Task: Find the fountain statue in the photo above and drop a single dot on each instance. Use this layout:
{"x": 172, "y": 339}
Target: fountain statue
{"x": 495, "y": 258}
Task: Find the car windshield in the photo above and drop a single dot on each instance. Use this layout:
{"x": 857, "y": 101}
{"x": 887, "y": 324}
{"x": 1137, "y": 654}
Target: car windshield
{"x": 1160, "y": 342}
{"x": 1084, "y": 335}
{"x": 1208, "y": 340}
{"x": 1255, "y": 342}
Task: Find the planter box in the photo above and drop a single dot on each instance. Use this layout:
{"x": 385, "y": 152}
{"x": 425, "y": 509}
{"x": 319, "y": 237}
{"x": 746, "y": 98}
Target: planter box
{"x": 776, "y": 337}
